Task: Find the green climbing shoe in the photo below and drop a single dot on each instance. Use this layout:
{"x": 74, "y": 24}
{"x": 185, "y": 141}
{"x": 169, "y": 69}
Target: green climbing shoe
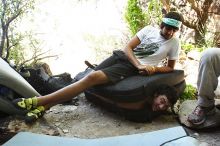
{"x": 35, "y": 114}
{"x": 26, "y": 103}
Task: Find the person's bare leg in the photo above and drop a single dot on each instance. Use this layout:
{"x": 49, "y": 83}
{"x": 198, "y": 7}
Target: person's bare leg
{"x": 65, "y": 94}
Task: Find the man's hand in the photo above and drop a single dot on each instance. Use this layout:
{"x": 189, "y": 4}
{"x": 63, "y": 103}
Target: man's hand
{"x": 164, "y": 69}
{"x": 146, "y": 69}
{"x": 149, "y": 70}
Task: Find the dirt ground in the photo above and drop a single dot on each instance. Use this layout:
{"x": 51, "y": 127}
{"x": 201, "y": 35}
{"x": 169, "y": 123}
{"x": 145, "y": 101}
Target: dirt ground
{"x": 84, "y": 119}
{"x": 87, "y": 120}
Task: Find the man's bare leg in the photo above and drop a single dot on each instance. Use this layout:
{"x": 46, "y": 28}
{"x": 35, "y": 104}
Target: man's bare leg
{"x": 65, "y": 94}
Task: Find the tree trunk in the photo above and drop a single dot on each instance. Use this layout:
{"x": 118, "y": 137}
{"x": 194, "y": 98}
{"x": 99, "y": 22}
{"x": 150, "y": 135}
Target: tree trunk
{"x": 200, "y": 32}
{"x": 166, "y": 5}
{"x": 3, "y": 39}
{"x": 199, "y": 38}
{"x": 2, "y": 44}
{"x": 217, "y": 29}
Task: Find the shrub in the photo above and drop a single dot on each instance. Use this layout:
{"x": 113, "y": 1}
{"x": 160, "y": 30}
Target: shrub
{"x": 134, "y": 16}
{"x": 137, "y": 16}
{"x": 187, "y": 47}
{"x": 190, "y": 93}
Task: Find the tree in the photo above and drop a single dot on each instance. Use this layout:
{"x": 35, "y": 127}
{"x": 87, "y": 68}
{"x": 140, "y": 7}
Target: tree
{"x": 10, "y": 12}
{"x": 11, "y": 48}
{"x": 215, "y": 11}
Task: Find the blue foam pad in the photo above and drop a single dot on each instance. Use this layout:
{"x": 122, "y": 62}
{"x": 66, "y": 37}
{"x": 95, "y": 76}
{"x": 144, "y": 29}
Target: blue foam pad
{"x": 155, "y": 138}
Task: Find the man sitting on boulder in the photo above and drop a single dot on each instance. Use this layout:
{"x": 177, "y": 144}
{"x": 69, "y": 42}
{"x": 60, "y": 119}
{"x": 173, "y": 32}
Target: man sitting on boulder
{"x": 209, "y": 71}
{"x": 141, "y": 55}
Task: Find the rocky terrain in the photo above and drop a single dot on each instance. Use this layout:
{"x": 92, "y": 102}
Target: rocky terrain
{"x": 83, "y": 119}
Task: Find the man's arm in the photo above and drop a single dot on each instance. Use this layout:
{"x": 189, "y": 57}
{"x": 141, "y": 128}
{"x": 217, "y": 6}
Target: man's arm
{"x": 128, "y": 50}
{"x": 165, "y": 69}
{"x": 143, "y": 69}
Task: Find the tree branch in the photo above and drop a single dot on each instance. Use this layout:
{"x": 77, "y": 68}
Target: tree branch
{"x": 8, "y": 50}
{"x": 49, "y": 56}
{"x": 189, "y": 24}
{"x": 37, "y": 59}
{"x": 205, "y": 7}
{"x": 13, "y": 17}
{"x": 7, "y": 44}
{"x": 195, "y": 7}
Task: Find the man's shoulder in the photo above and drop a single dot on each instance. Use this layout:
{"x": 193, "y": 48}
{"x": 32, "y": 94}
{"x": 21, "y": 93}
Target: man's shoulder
{"x": 175, "y": 39}
{"x": 151, "y": 27}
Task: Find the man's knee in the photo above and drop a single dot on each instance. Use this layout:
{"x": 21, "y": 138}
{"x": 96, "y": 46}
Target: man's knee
{"x": 96, "y": 76}
{"x": 210, "y": 55}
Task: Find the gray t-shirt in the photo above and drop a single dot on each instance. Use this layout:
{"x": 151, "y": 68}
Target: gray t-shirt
{"x": 154, "y": 47}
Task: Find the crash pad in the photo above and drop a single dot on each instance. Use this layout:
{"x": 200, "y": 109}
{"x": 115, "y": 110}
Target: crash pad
{"x": 154, "y": 138}
{"x": 13, "y": 80}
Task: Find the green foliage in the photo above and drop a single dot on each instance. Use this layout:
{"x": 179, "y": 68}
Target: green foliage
{"x": 187, "y": 47}
{"x": 134, "y": 16}
{"x": 16, "y": 51}
{"x": 189, "y": 93}
{"x": 137, "y": 18}
{"x": 11, "y": 12}
{"x": 16, "y": 55}
{"x": 18, "y": 46}
{"x": 27, "y": 51}
{"x": 154, "y": 12}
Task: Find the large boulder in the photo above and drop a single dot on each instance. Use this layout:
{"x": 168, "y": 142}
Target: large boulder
{"x": 188, "y": 106}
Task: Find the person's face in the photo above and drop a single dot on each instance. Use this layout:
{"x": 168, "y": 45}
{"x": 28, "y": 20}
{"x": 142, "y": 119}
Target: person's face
{"x": 168, "y": 32}
{"x": 218, "y": 43}
{"x": 160, "y": 103}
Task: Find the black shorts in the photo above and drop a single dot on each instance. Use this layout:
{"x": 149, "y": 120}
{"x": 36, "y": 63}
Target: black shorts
{"x": 117, "y": 67}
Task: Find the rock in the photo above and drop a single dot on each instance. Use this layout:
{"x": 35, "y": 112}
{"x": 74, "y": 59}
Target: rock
{"x": 194, "y": 55}
{"x": 57, "y": 124}
{"x": 185, "y": 109}
{"x": 182, "y": 56}
{"x": 56, "y": 112}
{"x": 191, "y": 71}
{"x": 188, "y": 106}
{"x": 65, "y": 131}
{"x": 68, "y": 108}
{"x": 40, "y": 126}
{"x": 50, "y": 131}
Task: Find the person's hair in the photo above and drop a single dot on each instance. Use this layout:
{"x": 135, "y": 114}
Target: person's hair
{"x": 173, "y": 15}
{"x": 169, "y": 91}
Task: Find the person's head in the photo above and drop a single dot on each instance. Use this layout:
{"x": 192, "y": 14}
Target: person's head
{"x": 164, "y": 97}
{"x": 170, "y": 24}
